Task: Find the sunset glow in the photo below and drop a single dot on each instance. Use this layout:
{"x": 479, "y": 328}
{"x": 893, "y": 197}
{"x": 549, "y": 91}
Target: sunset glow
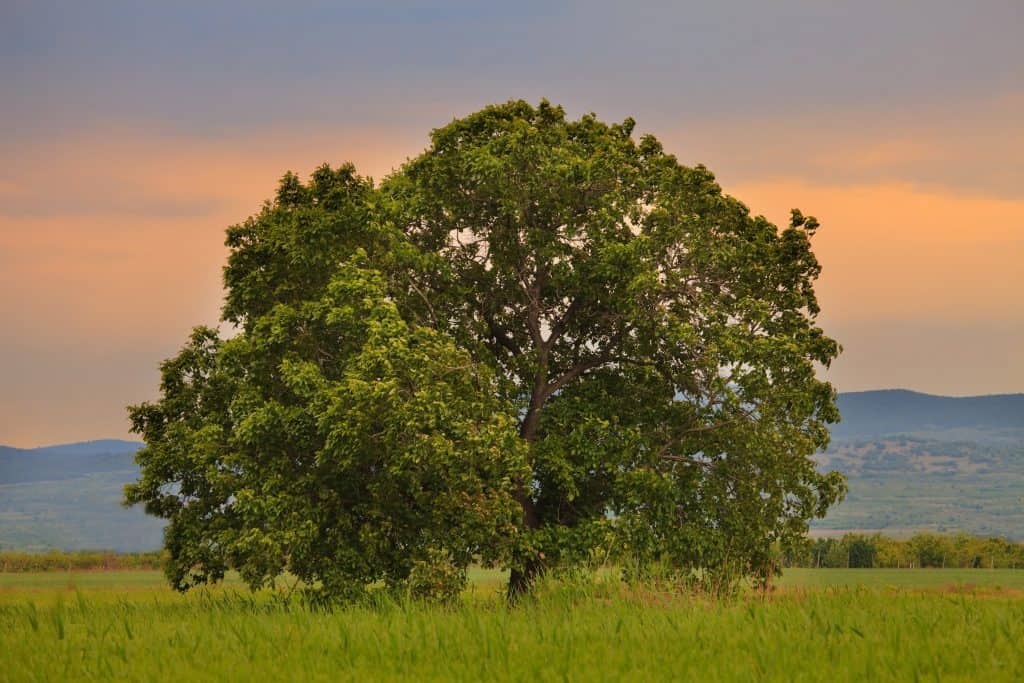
{"x": 120, "y": 174}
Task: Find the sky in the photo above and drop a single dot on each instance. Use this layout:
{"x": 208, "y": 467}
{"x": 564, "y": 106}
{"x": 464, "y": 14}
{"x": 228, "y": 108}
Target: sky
{"x": 133, "y": 133}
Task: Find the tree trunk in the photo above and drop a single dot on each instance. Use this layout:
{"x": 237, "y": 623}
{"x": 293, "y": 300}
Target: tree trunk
{"x": 522, "y": 577}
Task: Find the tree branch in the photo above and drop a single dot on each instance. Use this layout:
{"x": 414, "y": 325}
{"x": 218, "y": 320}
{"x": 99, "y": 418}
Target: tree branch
{"x": 559, "y": 328}
{"x": 502, "y": 336}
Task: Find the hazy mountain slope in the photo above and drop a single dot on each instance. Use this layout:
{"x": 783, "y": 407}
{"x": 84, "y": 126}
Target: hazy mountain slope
{"x": 91, "y": 447}
{"x": 897, "y": 411}
{"x": 66, "y": 461}
{"x": 904, "y": 484}
{"x": 69, "y": 496}
{"x": 914, "y": 462}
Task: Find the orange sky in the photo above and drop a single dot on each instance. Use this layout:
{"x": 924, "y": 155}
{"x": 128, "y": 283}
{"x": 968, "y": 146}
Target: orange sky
{"x": 923, "y": 287}
{"x": 111, "y": 221}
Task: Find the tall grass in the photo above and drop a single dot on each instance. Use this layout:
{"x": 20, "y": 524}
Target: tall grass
{"x": 578, "y": 629}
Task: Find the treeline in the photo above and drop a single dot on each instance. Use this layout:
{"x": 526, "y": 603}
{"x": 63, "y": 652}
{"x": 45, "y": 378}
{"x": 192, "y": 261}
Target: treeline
{"x": 920, "y": 550}
{"x": 55, "y": 560}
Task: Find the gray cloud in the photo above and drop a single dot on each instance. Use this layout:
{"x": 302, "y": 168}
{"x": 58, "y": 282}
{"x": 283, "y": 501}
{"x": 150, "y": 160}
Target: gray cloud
{"x": 227, "y": 69}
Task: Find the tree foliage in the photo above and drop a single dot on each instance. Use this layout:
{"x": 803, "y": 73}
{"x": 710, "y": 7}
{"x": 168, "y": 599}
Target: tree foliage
{"x": 540, "y": 342}
{"x": 658, "y": 341}
{"x": 329, "y": 439}
{"x": 924, "y": 550}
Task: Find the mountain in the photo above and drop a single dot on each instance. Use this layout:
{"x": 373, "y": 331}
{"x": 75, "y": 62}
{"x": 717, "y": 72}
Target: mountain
{"x": 916, "y": 462}
{"x": 90, "y": 447}
{"x": 69, "y": 496}
{"x": 898, "y": 411}
{"x": 66, "y": 461}
{"x": 913, "y": 462}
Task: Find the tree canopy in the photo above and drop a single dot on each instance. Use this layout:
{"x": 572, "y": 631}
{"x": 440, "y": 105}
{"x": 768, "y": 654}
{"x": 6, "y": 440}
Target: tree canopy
{"x": 539, "y": 343}
{"x": 330, "y": 438}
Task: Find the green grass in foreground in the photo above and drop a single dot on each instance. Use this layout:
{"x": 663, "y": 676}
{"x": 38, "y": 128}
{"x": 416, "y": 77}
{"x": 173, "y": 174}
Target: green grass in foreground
{"x": 913, "y": 579}
{"x": 128, "y": 626}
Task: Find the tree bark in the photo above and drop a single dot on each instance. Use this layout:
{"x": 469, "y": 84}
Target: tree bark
{"x": 522, "y": 577}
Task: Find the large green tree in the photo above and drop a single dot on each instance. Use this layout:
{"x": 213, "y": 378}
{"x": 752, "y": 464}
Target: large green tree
{"x": 659, "y": 342}
{"x": 329, "y": 439}
{"x": 539, "y": 342}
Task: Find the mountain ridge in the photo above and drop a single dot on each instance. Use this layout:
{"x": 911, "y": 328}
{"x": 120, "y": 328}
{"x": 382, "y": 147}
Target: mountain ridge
{"x": 87, "y": 447}
{"x": 929, "y": 410}
{"x": 915, "y": 461}
{"x": 901, "y": 411}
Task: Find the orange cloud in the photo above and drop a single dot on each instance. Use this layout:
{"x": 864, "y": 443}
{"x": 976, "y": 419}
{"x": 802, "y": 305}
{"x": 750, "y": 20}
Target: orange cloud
{"x": 103, "y": 229}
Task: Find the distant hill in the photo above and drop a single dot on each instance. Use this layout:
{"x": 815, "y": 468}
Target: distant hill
{"x": 898, "y": 411}
{"x": 66, "y": 461}
{"x": 916, "y": 462}
{"x": 89, "y": 447}
{"x": 69, "y": 496}
{"x": 913, "y": 462}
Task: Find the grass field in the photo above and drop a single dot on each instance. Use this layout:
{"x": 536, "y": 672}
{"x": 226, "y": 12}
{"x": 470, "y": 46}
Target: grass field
{"x": 819, "y": 625}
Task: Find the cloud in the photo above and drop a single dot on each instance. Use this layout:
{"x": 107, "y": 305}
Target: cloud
{"x": 119, "y": 237}
{"x": 971, "y": 148}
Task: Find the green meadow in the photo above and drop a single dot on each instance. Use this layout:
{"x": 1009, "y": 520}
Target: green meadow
{"x": 858, "y": 624}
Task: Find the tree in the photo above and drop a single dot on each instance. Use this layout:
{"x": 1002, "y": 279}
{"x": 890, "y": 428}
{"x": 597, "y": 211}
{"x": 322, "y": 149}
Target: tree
{"x": 329, "y": 439}
{"x": 929, "y": 550}
{"x": 539, "y": 342}
{"x": 891, "y": 552}
{"x": 861, "y": 551}
{"x": 657, "y": 341}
